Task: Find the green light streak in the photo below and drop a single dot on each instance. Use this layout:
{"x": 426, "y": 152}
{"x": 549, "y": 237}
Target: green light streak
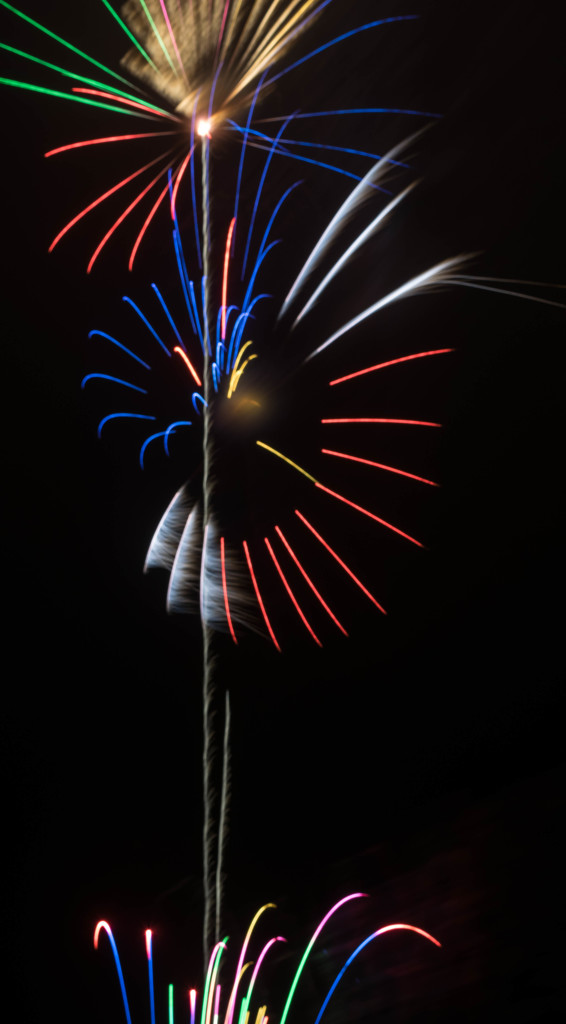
{"x": 308, "y": 949}
{"x": 243, "y": 1009}
{"x": 210, "y": 979}
{"x": 171, "y": 1018}
{"x": 80, "y": 78}
{"x": 129, "y": 34}
{"x": 159, "y": 39}
{"x": 290, "y": 463}
{"x": 69, "y": 96}
{"x": 64, "y": 42}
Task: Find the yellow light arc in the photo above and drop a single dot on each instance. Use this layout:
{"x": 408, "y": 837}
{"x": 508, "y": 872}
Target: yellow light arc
{"x": 238, "y": 370}
{"x": 290, "y": 462}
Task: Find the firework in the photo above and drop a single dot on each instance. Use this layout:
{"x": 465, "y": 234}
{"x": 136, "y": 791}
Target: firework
{"x": 213, "y": 558}
{"x": 237, "y": 1003}
{"x": 196, "y": 72}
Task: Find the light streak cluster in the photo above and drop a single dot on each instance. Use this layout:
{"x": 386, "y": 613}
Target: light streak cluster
{"x": 242, "y": 1006}
{"x": 211, "y": 63}
{"x": 239, "y": 588}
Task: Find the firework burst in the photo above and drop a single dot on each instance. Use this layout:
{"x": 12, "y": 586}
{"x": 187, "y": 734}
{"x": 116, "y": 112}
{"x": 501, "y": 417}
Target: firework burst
{"x": 237, "y": 1002}
{"x": 196, "y": 73}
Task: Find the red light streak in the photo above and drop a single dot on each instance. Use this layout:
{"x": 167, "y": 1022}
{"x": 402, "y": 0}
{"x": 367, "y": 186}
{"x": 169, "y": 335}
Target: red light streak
{"x": 145, "y": 226}
{"x": 152, "y": 111}
{"x": 379, "y": 465}
{"x": 188, "y": 364}
{"x": 148, "y": 942}
{"x": 225, "y": 589}
{"x": 225, "y": 275}
{"x": 366, "y": 419}
{"x": 390, "y": 362}
{"x": 309, "y": 581}
{"x": 258, "y": 595}
{"x": 122, "y": 217}
{"x": 97, "y": 930}
{"x": 101, "y": 198}
{"x": 108, "y": 138}
{"x": 291, "y": 594}
{"x": 340, "y": 562}
{"x": 370, "y": 514}
{"x": 180, "y": 174}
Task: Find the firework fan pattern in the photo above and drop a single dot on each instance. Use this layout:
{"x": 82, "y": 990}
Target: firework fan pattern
{"x": 239, "y": 1002}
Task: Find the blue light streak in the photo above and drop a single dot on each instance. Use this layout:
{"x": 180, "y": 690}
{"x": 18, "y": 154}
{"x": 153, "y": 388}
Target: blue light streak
{"x": 351, "y": 110}
{"x": 242, "y": 154}
{"x": 102, "y": 334}
{"x": 340, "y": 39}
{"x": 119, "y": 415}
{"x": 148, "y": 440}
{"x": 114, "y": 948}
{"x": 317, "y": 145}
{"x": 137, "y": 310}
{"x": 259, "y": 191}
{"x": 169, "y": 317}
{"x": 196, "y": 397}
{"x": 116, "y": 380}
{"x": 319, "y": 163}
{"x": 196, "y": 313}
{"x": 183, "y": 277}
{"x": 171, "y": 430}
{"x": 150, "y": 975}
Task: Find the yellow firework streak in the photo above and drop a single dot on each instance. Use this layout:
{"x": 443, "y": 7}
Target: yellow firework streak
{"x": 273, "y": 451}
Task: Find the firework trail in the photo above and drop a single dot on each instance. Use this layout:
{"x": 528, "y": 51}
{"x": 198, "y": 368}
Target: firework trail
{"x": 227, "y": 1002}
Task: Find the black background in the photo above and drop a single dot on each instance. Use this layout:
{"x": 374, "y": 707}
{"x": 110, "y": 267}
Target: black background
{"x": 421, "y": 759}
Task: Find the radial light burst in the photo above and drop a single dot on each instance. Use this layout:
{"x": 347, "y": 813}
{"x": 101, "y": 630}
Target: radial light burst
{"x": 241, "y": 566}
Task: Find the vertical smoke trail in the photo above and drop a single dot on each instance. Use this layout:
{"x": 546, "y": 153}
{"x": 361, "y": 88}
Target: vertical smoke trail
{"x": 224, "y": 816}
{"x": 215, "y": 776}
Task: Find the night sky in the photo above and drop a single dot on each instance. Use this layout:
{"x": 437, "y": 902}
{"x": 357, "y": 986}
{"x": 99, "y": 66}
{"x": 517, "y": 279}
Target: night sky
{"x": 420, "y": 759}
